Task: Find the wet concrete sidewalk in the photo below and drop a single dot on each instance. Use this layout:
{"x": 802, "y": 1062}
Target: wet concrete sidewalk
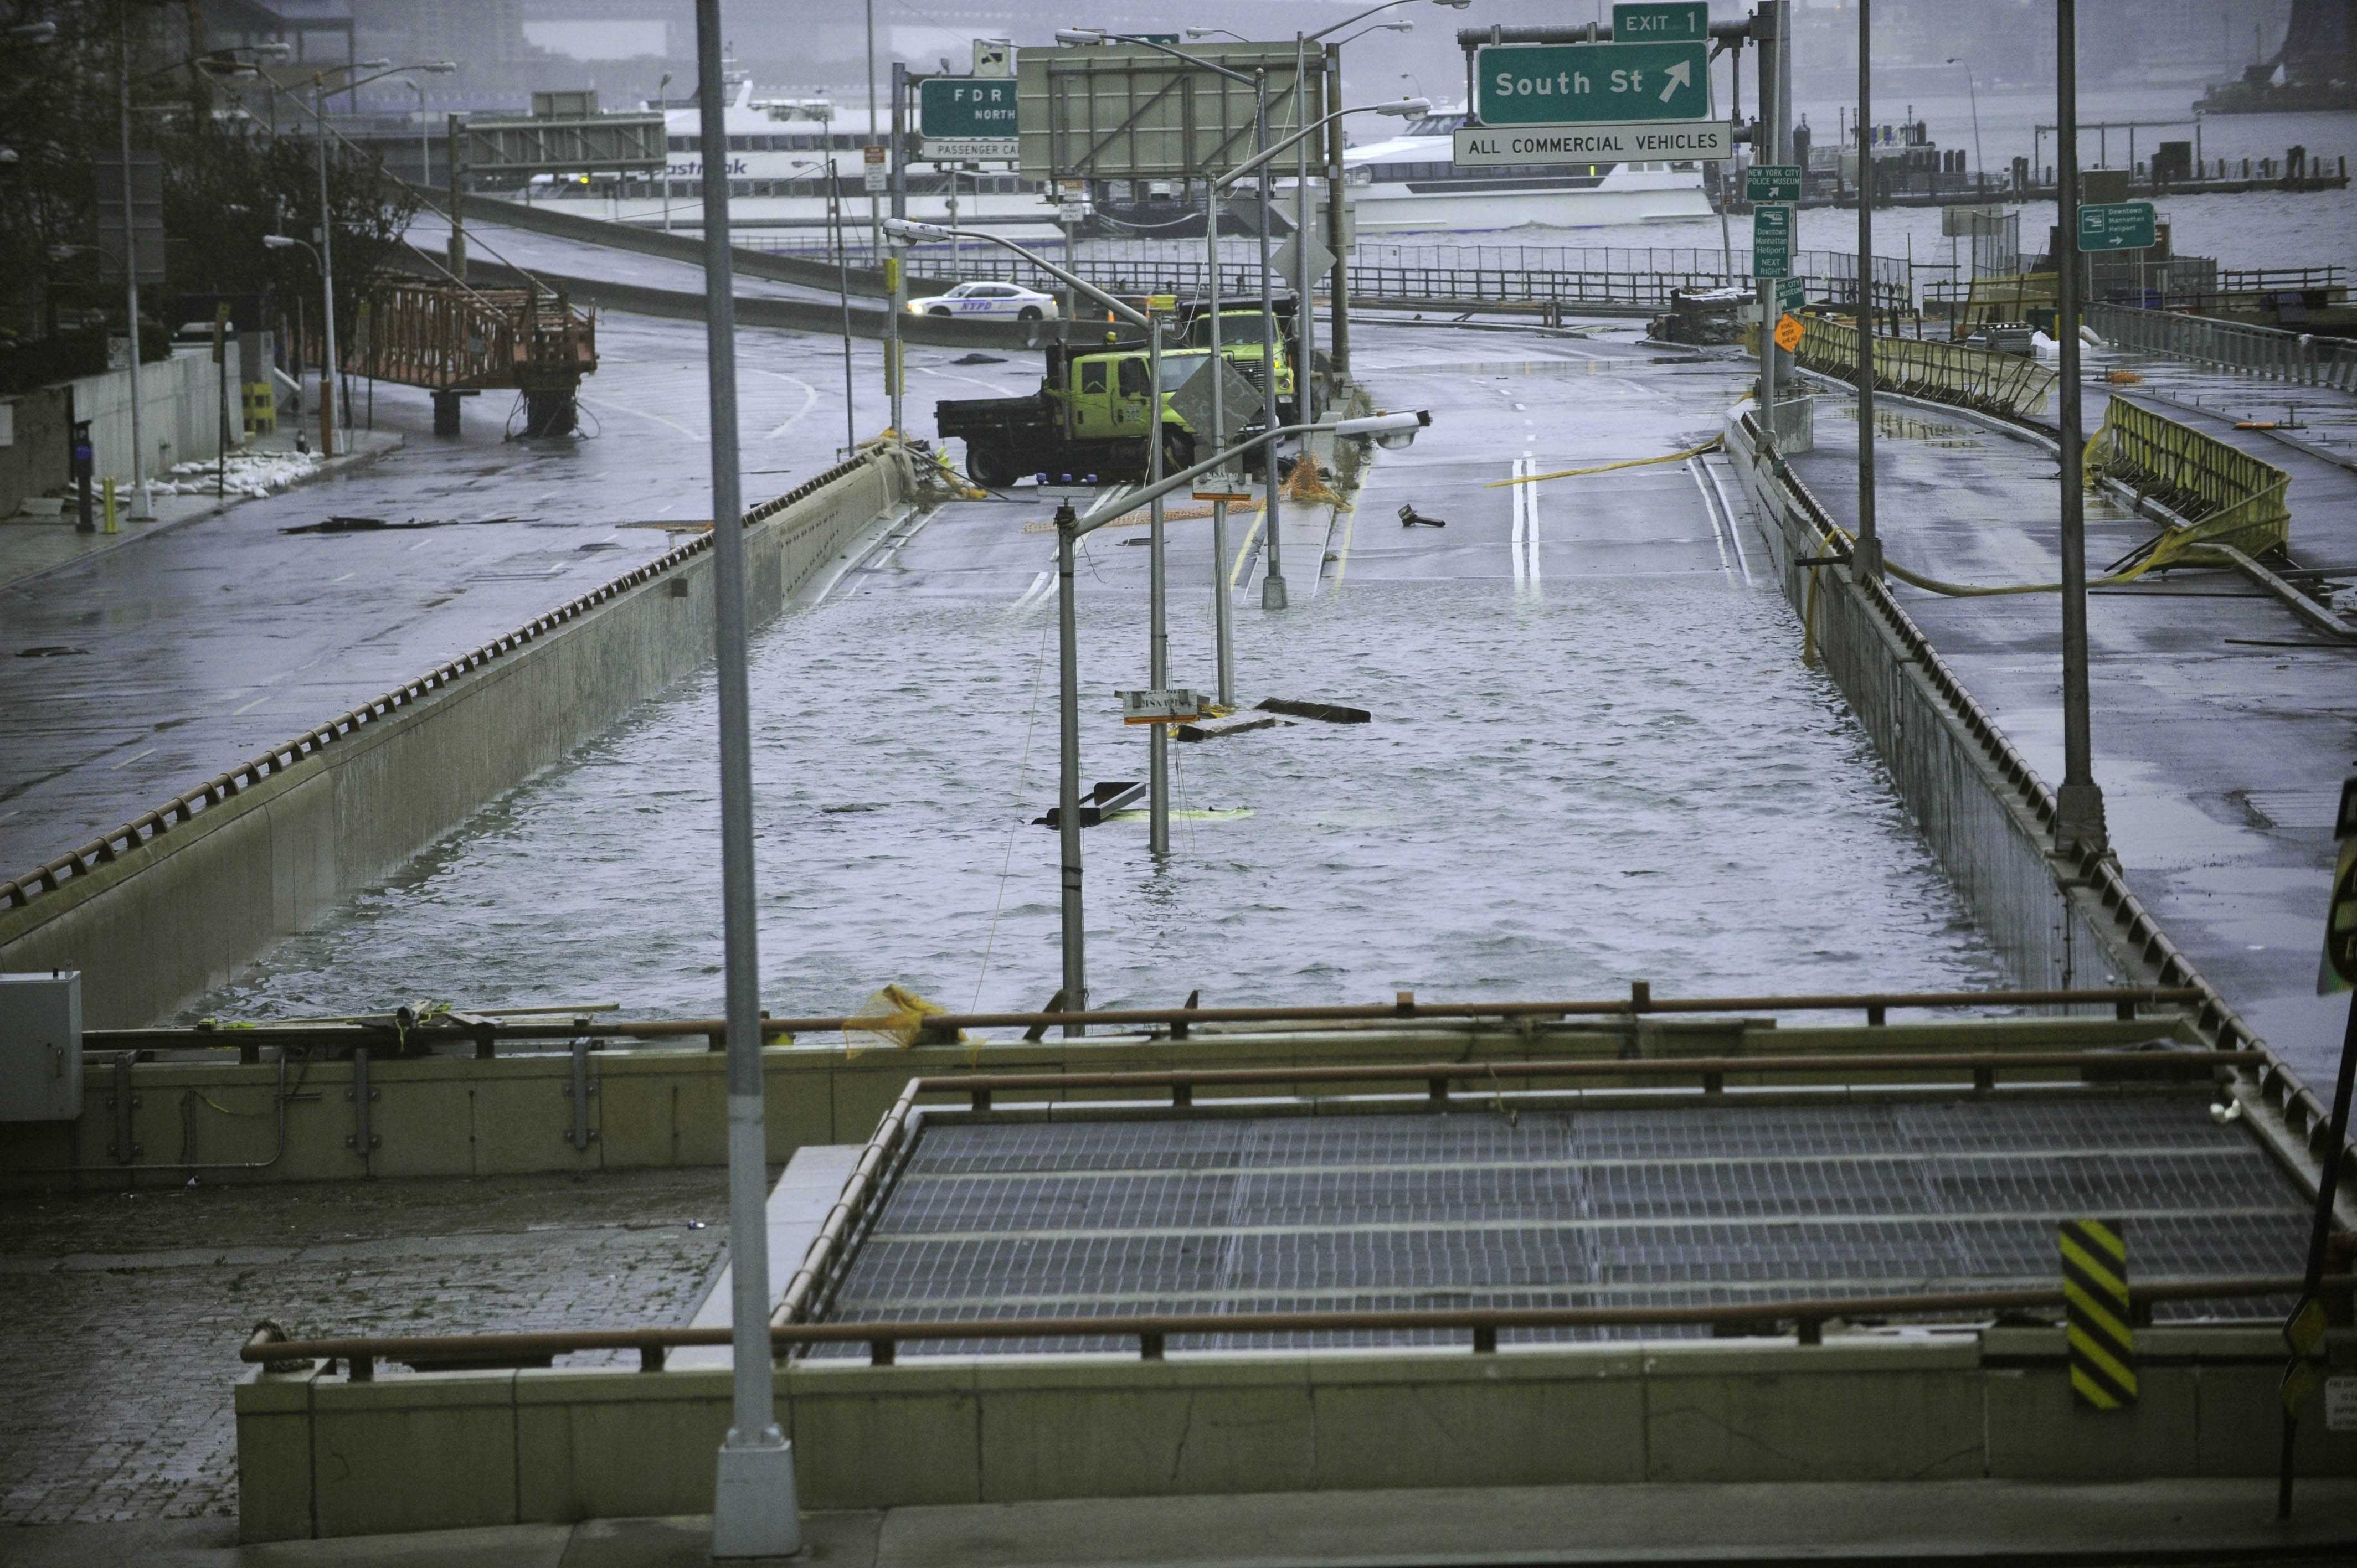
{"x": 2223, "y": 724}
{"x": 1951, "y": 1522}
{"x": 32, "y": 543}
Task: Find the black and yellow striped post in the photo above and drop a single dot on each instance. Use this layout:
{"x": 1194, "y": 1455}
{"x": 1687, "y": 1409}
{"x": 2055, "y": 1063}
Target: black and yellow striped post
{"x": 2095, "y": 1297}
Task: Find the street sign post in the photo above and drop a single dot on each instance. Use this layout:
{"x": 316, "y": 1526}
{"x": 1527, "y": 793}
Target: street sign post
{"x": 1583, "y": 84}
{"x": 1702, "y": 141}
{"x": 1661, "y": 22}
{"x": 1771, "y": 182}
{"x": 2115, "y": 226}
{"x": 1771, "y": 243}
{"x": 1172, "y": 705}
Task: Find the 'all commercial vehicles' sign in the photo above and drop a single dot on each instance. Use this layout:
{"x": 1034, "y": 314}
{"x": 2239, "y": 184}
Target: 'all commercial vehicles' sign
{"x": 1495, "y": 146}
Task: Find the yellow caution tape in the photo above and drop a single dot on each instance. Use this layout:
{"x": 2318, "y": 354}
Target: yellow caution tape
{"x": 1710, "y": 445}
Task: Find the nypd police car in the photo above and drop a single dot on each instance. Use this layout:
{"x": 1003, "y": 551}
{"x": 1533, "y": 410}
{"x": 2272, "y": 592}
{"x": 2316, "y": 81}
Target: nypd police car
{"x": 995, "y": 300}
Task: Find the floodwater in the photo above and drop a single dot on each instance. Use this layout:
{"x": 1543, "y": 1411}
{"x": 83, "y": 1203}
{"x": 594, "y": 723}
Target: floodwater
{"x": 1634, "y": 780}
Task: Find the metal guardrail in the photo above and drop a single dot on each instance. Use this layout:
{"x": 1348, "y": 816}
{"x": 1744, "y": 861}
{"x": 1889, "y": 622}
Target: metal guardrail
{"x": 2305, "y": 1113}
{"x": 2267, "y": 352}
{"x": 2228, "y": 497}
{"x": 2012, "y": 386}
{"x": 268, "y": 1346}
{"x": 944, "y": 1028}
{"x": 108, "y": 847}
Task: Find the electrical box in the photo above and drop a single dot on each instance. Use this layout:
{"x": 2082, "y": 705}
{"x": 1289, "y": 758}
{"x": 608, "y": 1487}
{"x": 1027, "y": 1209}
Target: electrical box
{"x": 41, "y": 1046}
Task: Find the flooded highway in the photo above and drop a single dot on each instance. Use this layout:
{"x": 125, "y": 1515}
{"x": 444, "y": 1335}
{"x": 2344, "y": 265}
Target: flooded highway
{"x": 1594, "y": 757}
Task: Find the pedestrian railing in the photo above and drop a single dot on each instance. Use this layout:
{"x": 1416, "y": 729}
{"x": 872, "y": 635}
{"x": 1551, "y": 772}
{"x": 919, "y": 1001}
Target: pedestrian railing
{"x": 2226, "y": 496}
{"x": 2267, "y": 352}
{"x": 2011, "y": 385}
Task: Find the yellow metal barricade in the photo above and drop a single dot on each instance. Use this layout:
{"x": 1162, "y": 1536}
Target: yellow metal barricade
{"x": 2227, "y": 497}
{"x": 2008, "y": 384}
{"x": 261, "y": 408}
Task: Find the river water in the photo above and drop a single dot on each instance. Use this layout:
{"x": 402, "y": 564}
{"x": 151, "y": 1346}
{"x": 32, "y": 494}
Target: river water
{"x": 1634, "y": 780}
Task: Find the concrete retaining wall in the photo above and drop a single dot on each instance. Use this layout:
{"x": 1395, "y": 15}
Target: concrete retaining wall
{"x": 180, "y": 402}
{"x": 1980, "y": 822}
{"x": 322, "y": 1456}
{"x": 39, "y": 457}
{"x": 456, "y": 1116}
{"x": 163, "y": 919}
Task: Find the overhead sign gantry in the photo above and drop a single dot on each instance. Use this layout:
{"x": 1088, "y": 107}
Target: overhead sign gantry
{"x": 1575, "y": 102}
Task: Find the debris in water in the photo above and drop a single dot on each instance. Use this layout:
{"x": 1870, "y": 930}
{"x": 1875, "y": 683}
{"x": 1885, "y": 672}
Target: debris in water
{"x": 1215, "y": 732}
{"x": 49, "y": 650}
{"x": 1328, "y": 711}
{"x": 977, "y": 359}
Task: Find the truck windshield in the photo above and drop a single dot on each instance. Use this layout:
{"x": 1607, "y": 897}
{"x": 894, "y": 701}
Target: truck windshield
{"x": 1238, "y": 329}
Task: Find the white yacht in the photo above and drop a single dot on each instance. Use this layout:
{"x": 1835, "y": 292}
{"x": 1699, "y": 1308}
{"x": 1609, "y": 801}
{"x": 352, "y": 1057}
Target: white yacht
{"x": 1408, "y": 183}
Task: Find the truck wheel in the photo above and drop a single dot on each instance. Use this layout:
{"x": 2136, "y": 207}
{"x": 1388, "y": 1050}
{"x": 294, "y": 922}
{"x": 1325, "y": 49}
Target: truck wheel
{"x": 1029, "y": 313}
{"x": 989, "y": 468}
{"x": 939, "y": 310}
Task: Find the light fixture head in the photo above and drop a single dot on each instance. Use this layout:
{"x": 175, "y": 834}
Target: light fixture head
{"x": 1406, "y": 108}
{"x": 1080, "y": 36}
{"x": 1392, "y": 431}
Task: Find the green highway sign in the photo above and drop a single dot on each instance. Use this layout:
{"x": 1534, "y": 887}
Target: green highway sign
{"x": 1662, "y": 22}
{"x": 1792, "y": 294}
{"x": 1771, "y": 182}
{"x": 2115, "y": 226}
{"x": 1575, "y": 85}
{"x": 967, "y": 109}
{"x": 1771, "y": 241}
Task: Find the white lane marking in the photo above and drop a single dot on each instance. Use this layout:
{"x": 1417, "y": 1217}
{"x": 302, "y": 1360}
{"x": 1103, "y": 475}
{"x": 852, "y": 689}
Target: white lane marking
{"x": 642, "y": 413}
{"x": 1734, "y": 528}
{"x": 810, "y": 398}
{"x": 419, "y": 545}
{"x": 1718, "y": 536}
{"x": 135, "y": 756}
{"x": 1040, "y": 586}
{"x": 1531, "y": 511}
{"x": 344, "y": 578}
{"x": 1521, "y": 504}
{"x": 998, "y": 387}
{"x": 252, "y": 706}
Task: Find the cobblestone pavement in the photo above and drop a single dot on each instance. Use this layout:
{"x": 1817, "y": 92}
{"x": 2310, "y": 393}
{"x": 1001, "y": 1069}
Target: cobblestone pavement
{"x": 126, "y": 1310}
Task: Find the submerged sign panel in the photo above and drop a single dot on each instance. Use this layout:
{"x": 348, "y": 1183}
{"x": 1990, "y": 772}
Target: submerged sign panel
{"x": 1498, "y": 146}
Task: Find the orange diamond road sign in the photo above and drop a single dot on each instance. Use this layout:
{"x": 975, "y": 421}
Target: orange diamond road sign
{"x": 1788, "y": 333}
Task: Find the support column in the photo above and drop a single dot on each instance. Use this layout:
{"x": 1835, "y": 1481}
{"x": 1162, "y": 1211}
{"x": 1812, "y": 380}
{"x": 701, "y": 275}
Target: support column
{"x": 1866, "y": 560}
{"x": 2079, "y": 817}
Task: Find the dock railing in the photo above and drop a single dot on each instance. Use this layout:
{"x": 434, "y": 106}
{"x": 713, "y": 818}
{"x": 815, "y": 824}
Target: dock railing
{"x": 2269, "y": 353}
{"x": 2011, "y": 385}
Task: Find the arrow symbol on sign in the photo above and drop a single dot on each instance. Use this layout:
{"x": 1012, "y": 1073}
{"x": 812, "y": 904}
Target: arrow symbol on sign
{"x": 1680, "y": 75}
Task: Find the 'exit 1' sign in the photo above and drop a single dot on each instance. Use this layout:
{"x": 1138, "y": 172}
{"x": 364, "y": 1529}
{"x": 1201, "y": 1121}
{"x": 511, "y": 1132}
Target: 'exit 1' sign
{"x": 1662, "y": 21}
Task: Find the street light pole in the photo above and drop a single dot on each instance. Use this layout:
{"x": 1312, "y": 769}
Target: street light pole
{"x": 2079, "y": 803}
{"x": 1973, "y": 87}
{"x": 330, "y": 364}
{"x": 1157, "y": 659}
{"x": 662, "y": 107}
{"x": 142, "y": 502}
{"x": 754, "y": 1513}
{"x": 1271, "y": 587}
{"x": 1069, "y": 528}
{"x": 1866, "y": 560}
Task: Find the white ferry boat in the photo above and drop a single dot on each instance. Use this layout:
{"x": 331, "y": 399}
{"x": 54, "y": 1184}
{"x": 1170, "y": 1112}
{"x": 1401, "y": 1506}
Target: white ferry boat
{"x": 1407, "y": 184}
{"x": 785, "y": 152}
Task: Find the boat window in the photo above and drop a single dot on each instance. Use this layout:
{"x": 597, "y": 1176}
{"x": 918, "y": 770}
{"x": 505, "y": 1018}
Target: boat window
{"x": 682, "y": 144}
{"x": 1092, "y": 376}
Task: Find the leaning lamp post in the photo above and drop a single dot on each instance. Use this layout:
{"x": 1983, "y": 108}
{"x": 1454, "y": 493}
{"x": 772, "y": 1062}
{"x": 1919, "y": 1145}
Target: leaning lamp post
{"x": 1389, "y": 429}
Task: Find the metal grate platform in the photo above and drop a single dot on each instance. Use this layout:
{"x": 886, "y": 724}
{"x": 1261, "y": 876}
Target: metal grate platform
{"x": 1210, "y": 1214}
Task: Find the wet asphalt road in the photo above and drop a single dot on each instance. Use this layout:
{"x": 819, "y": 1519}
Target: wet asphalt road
{"x": 2222, "y": 727}
{"x": 198, "y": 647}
